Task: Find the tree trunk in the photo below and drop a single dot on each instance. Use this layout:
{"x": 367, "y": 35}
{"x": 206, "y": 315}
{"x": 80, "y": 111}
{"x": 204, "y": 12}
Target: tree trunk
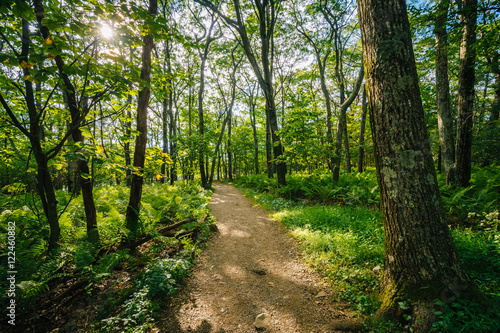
{"x": 494, "y": 64}
{"x": 445, "y": 120}
{"x": 269, "y": 152}
{"x": 421, "y": 261}
{"x": 229, "y": 157}
{"x": 216, "y": 153}
{"x": 46, "y": 190}
{"x": 326, "y": 94}
{"x": 203, "y": 160}
{"x": 190, "y": 174}
{"x": 73, "y": 177}
{"x": 361, "y": 150}
{"x": 142, "y": 127}
{"x": 164, "y": 135}
{"x": 254, "y": 132}
{"x": 77, "y": 115}
{"x": 465, "y": 100}
{"x": 342, "y": 123}
{"x": 348, "y": 166}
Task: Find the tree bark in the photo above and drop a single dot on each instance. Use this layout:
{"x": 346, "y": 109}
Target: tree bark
{"x": 134, "y": 204}
{"x": 361, "y": 150}
{"x": 465, "y": 100}
{"x": 421, "y": 261}
{"x": 445, "y": 120}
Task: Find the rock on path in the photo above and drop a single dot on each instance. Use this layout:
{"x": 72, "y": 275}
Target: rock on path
{"x": 252, "y": 267}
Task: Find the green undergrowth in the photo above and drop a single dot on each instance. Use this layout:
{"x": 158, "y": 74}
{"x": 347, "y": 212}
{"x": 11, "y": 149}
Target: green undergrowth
{"x": 346, "y": 244}
{"x": 155, "y": 268}
{"x": 352, "y": 190}
{"x": 482, "y": 196}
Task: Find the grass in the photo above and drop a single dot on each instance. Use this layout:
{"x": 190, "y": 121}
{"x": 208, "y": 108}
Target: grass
{"x": 344, "y": 240}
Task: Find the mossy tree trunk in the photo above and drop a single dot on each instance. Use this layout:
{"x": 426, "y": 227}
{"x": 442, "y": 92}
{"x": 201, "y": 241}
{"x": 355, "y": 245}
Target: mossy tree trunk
{"x": 421, "y": 261}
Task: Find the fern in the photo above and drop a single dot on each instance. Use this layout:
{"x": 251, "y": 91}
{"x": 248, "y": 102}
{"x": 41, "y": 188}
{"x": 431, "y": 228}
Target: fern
{"x": 108, "y": 263}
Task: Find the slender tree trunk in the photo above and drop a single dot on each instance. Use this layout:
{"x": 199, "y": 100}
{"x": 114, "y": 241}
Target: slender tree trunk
{"x": 34, "y": 133}
{"x": 190, "y": 133}
{"x": 254, "y": 132}
{"x": 342, "y": 123}
{"x": 126, "y": 145}
{"x": 203, "y": 160}
{"x": 440, "y": 160}
{"x": 46, "y": 190}
{"x": 269, "y": 152}
{"x": 216, "y": 153}
{"x": 361, "y": 150}
{"x": 466, "y": 81}
{"x": 73, "y": 176}
{"x": 421, "y": 261}
{"x": 348, "y": 166}
{"x": 76, "y": 117}
{"x": 164, "y": 135}
{"x": 326, "y": 94}
{"x": 142, "y": 127}
{"x": 445, "y": 120}
{"x": 229, "y": 148}
{"x": 493, "y": 62}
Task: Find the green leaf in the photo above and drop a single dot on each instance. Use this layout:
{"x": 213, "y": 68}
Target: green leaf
{"x": 85, "y": 175}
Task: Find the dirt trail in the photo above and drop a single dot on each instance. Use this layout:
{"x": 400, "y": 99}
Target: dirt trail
{"x": 252, "y": 266}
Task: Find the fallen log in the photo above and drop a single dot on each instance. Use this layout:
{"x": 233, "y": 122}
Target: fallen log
{"x": 163, "y": 231}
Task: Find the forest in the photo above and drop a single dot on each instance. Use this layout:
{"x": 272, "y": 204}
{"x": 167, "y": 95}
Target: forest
{"x": 369, "y": 129}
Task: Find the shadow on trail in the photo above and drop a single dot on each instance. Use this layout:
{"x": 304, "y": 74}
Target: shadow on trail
{"x": 250, "y": 268}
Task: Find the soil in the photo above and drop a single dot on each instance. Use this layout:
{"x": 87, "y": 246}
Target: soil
{"x": 253, "y": 266}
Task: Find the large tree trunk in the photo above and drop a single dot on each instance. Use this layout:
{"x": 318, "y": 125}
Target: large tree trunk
{"x": 421, "y": 261}
{"x": 134, "y": 204}
{"x": 466, "y": 81}
{"x": 445, "y": 120}
{"x": 361, "y": 150}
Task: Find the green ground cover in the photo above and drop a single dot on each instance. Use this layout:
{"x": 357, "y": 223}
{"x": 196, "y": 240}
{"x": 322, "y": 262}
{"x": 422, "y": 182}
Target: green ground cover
{"x": 152, "y": 270}
{"x": 341, "y": 233}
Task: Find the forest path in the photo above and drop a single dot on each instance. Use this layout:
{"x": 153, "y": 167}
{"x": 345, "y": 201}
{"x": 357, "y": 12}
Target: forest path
{"x": 252, "y": 266}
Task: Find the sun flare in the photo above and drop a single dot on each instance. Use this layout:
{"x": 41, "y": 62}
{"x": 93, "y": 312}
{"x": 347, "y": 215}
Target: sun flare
{"x": 106, "y": 32}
